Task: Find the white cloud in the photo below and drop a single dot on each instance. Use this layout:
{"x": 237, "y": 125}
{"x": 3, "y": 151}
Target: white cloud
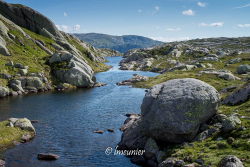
{"x": 65, "y": 14}
{"x": 244, "y": 25}
{"x": 77, "y": 27}
{"x": 188, "y": 12}
{"x": 201, "y": 4}
{"x": 69, "y": 29}
{"x": 173, "y": 29}
{"x": 64, "y": 28}
{"x": 216, "y": 24}
{"x": 157, "y": 8}
{"x": 139, "y": 11}
{"x": 244, "y": 6}
{"x": 166, "y": 39}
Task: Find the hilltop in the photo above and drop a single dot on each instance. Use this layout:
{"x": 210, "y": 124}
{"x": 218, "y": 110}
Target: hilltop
{"x": 119, "y": 43}
{"x": 36, "y": 56}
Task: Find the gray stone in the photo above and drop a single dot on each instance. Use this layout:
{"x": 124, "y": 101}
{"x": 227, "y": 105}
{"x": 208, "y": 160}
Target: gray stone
{"x": 172, "y": 162}
{"x": 24, "y": 124}
{"x": 151, "y": 146}
{"x": 34, "y": 82}
{"x": 11, "y": 64}
{"x": 28, "y": 18}
{"x": 209, "y": 59}
{"x": 243, "y": 69}
{"x": 77, "y": 73}
{"x": 5, "y": 76}
{"x": 230, "y": 123}
{"x": 16, "y": 85}
{"x": 228, "y": 76}
{"x": 160, "y": 156}
{"x": 13, "y": 120}
{"x": 235, "y": 60}
{"x": 4, "y": 91}
{"x": 23, "y": 71}
{"x": 174, "y": 110}
{"x": 19, "y": 65}
{"x": 239, "y": 96}
{"x": 132, "y": 137}
{"x": 3, "y": 50}
{"x": 230, "y": 161}
{"x": 207, "y": 133}
{"x": 134, "y": 79}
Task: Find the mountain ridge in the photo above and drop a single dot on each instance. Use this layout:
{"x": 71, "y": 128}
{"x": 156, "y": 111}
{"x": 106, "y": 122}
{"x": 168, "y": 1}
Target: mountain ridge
{"x": 121, "y": 43}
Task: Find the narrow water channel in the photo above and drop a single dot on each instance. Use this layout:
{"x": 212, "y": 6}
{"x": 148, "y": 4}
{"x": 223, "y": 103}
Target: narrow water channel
{"x": 67, "y": 121}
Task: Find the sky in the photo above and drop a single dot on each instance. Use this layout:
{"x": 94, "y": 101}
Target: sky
{"x": 165, "y": 20}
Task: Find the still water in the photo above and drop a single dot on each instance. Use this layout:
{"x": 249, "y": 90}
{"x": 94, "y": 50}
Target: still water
{"x": 67, "y": 121}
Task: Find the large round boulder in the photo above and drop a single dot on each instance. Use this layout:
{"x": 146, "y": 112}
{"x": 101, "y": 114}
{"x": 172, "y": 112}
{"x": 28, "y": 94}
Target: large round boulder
{"x": 174, "y": 110}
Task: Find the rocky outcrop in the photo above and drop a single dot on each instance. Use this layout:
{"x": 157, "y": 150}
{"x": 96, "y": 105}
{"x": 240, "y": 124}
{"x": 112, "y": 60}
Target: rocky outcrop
{"x": 134, "y": 79}
{"x": 174, "y": 110}
{"x": 230, "y": 161}
{"x": 22, "y": 123}
{"x": 239, "y": 96}
{"x": 223, "y": 74}
{"x": 30, "y": 19}
{"x": 68, "y": 68}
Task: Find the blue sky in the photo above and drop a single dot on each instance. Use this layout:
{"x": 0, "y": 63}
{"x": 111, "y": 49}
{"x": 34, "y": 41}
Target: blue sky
{"x": 165, "y": 20}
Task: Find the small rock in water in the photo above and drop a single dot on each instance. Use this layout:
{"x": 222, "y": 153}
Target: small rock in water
{"x": 16, "y": 143}
{"x": 47, "y": 156}
{"x": 111, "y": 130}
{"x": 99, "y": 131}
{"x": 99, "y": 84}
{"x": 26, "y": 137}
{"x": 2, "y": 163}
{"x": 34, "y": 121}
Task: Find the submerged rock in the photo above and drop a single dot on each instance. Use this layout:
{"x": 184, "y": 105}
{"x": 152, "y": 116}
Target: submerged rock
{"x": 174, "y": 110}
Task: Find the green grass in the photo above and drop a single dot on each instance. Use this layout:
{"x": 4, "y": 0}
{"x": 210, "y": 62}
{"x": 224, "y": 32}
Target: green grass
{"x": 8, "y": 135}
{"x": 212, "y": 150}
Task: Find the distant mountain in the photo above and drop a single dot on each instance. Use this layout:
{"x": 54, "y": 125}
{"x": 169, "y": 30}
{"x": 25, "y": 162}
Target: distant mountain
{"x": 119, "y": 43}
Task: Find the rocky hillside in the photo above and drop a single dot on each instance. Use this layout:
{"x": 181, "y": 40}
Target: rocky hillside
{"x": 119, "y": 43}
{"x": 36, "y": 56}
{"x": 196, "y": 112}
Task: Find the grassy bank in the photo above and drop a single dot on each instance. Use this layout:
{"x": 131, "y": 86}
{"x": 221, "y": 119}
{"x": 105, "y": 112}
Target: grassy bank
{"x": 8, "y": 135}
